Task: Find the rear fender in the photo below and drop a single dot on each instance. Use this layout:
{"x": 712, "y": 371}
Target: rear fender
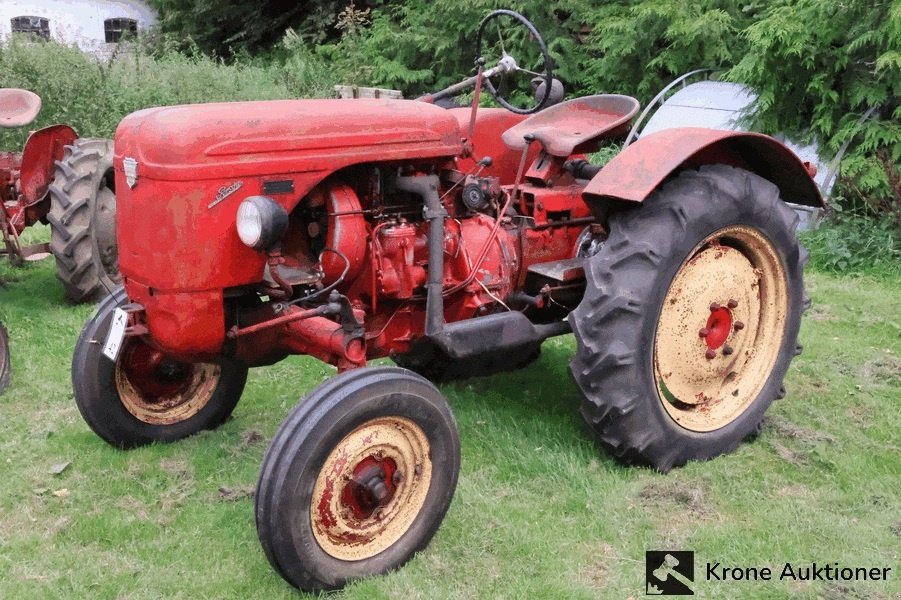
{"x": 42, "y": 149}
{"x": 641, "y": 168}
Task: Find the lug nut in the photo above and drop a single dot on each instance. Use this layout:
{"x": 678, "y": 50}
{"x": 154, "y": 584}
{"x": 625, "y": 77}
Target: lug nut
{"x": 732, "y": 303}
{"x": 727, "y": 350}
{"x": 714, "y": 307}
{"x": 738, "y": 326}
{"x": 710, "y": 354}
{"x": 703, "y": 332}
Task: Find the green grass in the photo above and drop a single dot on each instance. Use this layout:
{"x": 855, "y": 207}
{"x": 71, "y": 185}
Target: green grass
{"x": 540, "y": 511}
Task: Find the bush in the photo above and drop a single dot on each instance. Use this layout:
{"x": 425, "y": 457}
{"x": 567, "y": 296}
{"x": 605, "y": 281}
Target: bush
{"x": 853, "y": 244}
{"x": 818, "y": 66}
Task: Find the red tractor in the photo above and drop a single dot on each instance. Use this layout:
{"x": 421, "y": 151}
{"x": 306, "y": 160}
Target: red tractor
{"x": 68, "y": 183}
{"x": 454, "y": 241}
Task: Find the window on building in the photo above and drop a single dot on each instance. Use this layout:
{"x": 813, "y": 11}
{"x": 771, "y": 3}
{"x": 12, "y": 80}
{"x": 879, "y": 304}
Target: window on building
{"x": 38, "y": 26}
{"x": 116, "y": 28}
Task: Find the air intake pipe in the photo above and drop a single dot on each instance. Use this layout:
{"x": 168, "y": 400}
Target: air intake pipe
{"x": 426, "y": 187}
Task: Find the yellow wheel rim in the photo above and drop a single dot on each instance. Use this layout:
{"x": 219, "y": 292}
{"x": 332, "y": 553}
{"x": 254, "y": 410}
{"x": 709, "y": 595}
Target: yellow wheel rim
{"x": 371, "y": 488}
{"x": 159, "y": 390}
{"x": 720, "y": 329}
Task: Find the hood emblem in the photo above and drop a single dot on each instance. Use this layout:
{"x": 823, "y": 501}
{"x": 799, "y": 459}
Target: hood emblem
{"x": 130, "y": 166}
{"x": 224, "y": 192}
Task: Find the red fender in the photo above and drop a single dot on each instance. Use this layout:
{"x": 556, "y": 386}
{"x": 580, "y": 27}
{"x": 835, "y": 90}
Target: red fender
{"x": 638, "y": 170}
{"x": 42, "y": 149}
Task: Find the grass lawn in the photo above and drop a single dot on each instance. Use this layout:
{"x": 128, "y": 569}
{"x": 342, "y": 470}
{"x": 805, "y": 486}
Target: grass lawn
{"x": 540, "y": 511}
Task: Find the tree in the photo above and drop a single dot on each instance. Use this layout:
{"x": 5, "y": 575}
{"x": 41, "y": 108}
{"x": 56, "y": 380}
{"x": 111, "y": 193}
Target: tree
{"x": 226, "y": 27}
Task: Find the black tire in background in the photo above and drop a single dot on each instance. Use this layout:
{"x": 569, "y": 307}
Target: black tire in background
{"x": 657, "y": 387}
{"x": 83, "y": 220}
{"x": 117, "y": 408}
{"x": 385, "y": 419}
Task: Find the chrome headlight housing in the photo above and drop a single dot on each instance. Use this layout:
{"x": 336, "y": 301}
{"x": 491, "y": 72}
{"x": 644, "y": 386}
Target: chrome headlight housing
{"x": 261, "y": 222}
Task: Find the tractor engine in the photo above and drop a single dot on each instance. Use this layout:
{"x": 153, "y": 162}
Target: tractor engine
{"x": 371, "y": 241}
{"x": 389, "y": 250}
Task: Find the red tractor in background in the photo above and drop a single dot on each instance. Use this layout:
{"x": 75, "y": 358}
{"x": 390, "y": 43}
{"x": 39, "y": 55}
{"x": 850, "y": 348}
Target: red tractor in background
{"x": 68, "y": 183}
{"x": 454, "y": 241}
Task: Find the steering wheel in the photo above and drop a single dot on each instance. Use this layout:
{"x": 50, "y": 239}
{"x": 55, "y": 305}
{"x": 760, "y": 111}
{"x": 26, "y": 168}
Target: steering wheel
{"x": 507, "y": 66}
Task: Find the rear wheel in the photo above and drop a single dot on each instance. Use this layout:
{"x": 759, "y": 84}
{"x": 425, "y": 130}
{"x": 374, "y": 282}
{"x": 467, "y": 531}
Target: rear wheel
{"x": 83, "y": 220}
{"x": 690, "y": 318}
{"x": 147, "y": 396}
{"x": 357, "y": 479}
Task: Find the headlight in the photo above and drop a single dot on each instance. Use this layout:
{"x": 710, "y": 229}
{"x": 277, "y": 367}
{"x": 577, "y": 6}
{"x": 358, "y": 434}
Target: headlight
{"x": 261, "y": 222}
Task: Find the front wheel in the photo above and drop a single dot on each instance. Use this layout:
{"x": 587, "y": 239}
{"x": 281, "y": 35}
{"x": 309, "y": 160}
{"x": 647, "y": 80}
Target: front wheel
{"x": 357, "y": 479}
{"x": 690, "y": 318}
{"x": 147, "y": 396}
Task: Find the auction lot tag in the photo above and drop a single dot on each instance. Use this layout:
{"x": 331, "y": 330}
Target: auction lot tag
{"x": 116, "y": 334}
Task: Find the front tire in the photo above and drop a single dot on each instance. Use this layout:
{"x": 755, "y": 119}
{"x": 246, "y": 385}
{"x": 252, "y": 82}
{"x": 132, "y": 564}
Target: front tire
{"x": 357, "y": 479}
{"x": 690, "y": 318}
{"x": 146, "y": 396}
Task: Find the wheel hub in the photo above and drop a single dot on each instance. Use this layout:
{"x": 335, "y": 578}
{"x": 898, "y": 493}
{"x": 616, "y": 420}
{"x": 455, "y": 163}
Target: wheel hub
{"x": 159, "y": 390}
{"x": 371, "y": 487}
{"x": 718, "y": 327}
{"x": 104, "y": 230}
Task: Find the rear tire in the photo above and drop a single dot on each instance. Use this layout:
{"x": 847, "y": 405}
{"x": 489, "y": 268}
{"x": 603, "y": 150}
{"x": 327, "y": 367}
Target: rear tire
{"x": 83, "y": 220}
{"x": 690, "y": 318}
{"x": 357, "y": 479}
{"x": 145, "y": 396}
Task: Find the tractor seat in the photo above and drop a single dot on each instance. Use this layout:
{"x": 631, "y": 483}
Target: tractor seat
{"x": 576, "y": 125}
{"x": 18, "y": 107}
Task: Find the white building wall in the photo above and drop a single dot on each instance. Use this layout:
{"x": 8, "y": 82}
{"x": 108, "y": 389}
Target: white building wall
{"x": 78, "y": 21}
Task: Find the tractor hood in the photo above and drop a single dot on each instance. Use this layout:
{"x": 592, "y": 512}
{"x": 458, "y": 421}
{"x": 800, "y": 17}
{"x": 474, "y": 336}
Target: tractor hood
{"x": 242, "y": 139}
